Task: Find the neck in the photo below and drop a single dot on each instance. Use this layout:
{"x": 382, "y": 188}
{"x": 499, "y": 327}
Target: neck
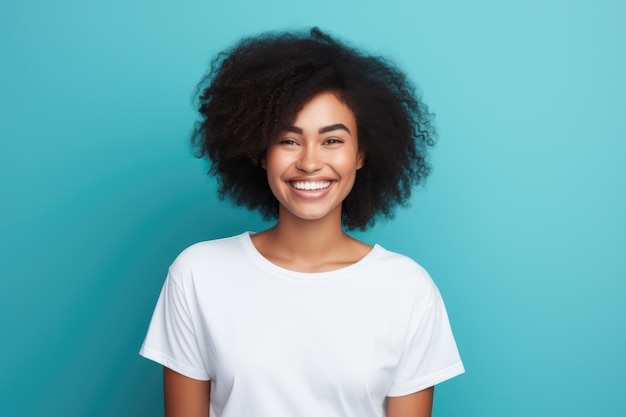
{"x": 309, "y": 245}
{"x": 308, "y": 238}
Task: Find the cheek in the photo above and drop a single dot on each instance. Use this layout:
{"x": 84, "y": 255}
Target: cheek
{"x": 275, "y": 167}
{"x": 274, "y": 182}
{"x": 271, "y": 163}
{"x": 348, "y": 163}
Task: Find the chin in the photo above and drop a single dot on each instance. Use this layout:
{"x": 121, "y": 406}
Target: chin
{"x": 311, "y": 216}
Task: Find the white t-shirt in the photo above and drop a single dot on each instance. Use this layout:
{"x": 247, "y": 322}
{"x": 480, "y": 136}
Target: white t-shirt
{"x": 280, "y": 343}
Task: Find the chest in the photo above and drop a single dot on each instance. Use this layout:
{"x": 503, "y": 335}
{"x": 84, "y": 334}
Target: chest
{"x": 342, "y": 338}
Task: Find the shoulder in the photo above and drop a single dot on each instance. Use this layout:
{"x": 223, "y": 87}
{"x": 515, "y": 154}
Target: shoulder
{"x": 403, "y": 272}
{"x": 400, "y": 265}
{"x": 210, "y": 254}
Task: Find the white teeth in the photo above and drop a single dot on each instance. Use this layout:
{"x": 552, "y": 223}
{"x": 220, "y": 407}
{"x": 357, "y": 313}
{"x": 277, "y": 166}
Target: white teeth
{"x": 309, "y": 186}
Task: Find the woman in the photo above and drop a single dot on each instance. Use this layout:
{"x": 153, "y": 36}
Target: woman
{"x": 301, "y": 319}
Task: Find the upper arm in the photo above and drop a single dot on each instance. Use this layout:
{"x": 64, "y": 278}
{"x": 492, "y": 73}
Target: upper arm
{"x": 418, "y": 404}
{"x": 183, "y": 396}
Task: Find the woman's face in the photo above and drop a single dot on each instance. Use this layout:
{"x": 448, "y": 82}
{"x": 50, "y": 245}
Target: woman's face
{"x": 311, "y": 166}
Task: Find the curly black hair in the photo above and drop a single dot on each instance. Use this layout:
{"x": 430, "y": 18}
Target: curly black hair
{"x": 256, "y": 88}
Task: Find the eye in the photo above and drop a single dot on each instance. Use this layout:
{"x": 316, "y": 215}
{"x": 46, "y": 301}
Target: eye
{"x": 333, "y": 141}
{"x": 287, "y": 141}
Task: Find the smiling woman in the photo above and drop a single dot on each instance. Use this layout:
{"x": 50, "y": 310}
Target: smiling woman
{"x": 302, "y": 319}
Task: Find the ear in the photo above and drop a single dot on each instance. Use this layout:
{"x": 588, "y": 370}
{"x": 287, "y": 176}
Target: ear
{"x": 263, "y": 163}
{"x": 360, "y": 159}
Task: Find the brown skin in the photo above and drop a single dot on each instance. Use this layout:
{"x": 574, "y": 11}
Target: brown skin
{"x": 183, "y": 396}
{"x": 418, "y": 404}
{"x": 308, "y": 236}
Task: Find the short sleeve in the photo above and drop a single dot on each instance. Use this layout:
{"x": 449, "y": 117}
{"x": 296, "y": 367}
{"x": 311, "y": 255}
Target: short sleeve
{"x": 171, "y": 339}
{"x": 431, "y": 355}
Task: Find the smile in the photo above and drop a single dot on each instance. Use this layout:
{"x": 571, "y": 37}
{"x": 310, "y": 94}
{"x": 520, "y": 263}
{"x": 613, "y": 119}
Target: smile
{"x": 310, "y": 185}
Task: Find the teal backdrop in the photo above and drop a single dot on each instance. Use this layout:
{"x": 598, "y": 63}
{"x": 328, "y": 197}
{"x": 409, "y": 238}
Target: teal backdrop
{"x": 522, "y": 223}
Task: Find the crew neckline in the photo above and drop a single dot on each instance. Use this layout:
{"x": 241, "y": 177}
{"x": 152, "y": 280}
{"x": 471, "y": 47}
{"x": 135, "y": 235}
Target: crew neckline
{"x": 313, "y": 276}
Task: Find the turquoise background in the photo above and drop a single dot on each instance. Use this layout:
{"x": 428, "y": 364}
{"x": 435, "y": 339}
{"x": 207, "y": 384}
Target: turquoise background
{"x": 521, "y": 224}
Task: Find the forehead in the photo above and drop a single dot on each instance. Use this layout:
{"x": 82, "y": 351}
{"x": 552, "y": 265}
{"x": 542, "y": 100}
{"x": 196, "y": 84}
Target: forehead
{"x": 325, "y": 108}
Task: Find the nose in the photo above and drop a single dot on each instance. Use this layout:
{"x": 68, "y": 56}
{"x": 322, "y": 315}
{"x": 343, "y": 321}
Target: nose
{"x": 310, "y": 159}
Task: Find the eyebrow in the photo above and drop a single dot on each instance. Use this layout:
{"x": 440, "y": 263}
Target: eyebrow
{"x": 325, "y": 129}
{"x": 338, "y": 126}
